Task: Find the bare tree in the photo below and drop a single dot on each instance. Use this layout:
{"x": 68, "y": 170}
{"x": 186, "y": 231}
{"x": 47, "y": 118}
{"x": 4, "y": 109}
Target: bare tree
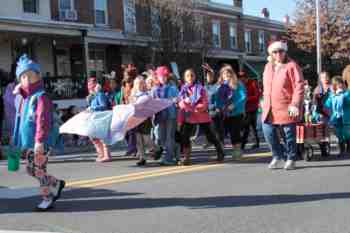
{"x": 335, "y": 27}
{"x": 178, "y": 30}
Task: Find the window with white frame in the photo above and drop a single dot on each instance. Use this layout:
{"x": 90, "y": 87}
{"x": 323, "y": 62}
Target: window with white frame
{"x": 66, "y": 4}
{"x": 101, "y": 15}
{"x": 155, "y": 20}
{"x": 130, "y": 16}
{"x": 216, "y": 34}
{"x": 262, "y": 44}
{"x": 248, "y": 41}
{"x": 233, "y": 36}
{"x": 31, "y": 6}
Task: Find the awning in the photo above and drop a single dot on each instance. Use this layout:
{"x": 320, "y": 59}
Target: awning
{"x": 254, "y": 69}
{"x": 100, "y": 36}
{"x": 41, "y": 27}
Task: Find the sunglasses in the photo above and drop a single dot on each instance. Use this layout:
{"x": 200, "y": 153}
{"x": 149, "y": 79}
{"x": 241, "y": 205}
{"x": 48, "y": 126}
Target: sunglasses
{"x": 278, "y": 51}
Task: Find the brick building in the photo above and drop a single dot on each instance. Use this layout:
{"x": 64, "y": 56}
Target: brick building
{"x": 73, "y": 38}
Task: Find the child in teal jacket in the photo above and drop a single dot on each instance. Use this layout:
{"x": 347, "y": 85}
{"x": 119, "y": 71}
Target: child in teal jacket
{"x": 338, "y": 101}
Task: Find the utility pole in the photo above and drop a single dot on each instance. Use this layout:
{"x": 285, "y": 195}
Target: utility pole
{"x": 318, "y": 40}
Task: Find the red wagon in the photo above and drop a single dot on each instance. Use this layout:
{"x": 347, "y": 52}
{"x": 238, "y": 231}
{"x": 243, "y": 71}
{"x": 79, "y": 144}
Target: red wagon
{"x": 310, "y": 134}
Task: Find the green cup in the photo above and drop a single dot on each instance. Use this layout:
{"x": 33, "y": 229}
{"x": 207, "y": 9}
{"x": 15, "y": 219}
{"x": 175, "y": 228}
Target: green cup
{"x": 13, "y": 160}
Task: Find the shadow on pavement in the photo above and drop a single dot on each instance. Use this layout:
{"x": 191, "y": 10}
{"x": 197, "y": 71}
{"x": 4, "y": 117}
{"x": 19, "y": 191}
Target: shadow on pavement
{"x": 27, "y": 205}
{"x": 192, "y": 203}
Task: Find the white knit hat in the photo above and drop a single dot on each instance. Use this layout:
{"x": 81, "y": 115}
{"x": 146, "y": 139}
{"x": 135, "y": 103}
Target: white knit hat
{"x": 277, "y": 45}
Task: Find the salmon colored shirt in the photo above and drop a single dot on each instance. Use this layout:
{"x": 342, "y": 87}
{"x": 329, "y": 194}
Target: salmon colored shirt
{"x": 283, "y": 87}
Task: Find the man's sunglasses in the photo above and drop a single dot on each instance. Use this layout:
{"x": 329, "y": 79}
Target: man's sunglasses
{"x": 278, "y": 51}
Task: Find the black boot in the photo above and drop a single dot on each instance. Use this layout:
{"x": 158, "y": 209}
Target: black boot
{"x": 342, "y": 149}
{"x": 348, "y": 147}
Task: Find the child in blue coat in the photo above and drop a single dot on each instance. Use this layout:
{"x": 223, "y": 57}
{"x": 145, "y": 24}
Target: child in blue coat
{"x": 98, "y": 101}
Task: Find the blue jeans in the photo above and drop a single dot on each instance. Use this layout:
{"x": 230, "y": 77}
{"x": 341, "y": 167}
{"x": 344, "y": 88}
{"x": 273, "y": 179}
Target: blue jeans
{"x": 279, "y": 151}
{"x": 167, "y": 131}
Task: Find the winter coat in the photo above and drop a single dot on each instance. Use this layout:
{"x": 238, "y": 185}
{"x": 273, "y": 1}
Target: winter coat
{"x": 99, "y": 102}
{"x": 197, "y": 112}
{"x": 227, "y": 96}
{"x": 283, "y": 87}
{"x": 212, "y": 90}
{"x": 253, "y": 95}
{"x": 34, "y": 120}
{"x": 170, "y": 92}
{"x": 239, "y": 99}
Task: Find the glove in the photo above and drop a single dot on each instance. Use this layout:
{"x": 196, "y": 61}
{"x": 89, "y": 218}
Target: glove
{"x": 293, "y": 111}
{"x": 89, "y": 109}
{"x": 39, "y": 148}
{"x": 16, "y": 90}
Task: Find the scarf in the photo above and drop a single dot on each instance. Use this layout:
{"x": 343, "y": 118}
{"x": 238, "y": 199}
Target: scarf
{"x": 225, "y": 92}
{"x": 194, "y": 92}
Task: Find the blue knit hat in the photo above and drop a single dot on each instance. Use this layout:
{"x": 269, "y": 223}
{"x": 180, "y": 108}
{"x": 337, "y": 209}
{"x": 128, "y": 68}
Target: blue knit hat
{"x": 25, "y": 64}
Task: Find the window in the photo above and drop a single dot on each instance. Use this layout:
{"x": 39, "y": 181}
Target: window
{"x": 130, "y": 16}
{"x": 233, "y": 36}
{"x": 248, "y": 41}
{"x": 216, "y": 34}
{"x": 262, "y": 48}
{"x": 31, "y": 6}
{"x": 66, "y": 4}
{"x": 155, "y": 20}
{"x": 101, "y": 12}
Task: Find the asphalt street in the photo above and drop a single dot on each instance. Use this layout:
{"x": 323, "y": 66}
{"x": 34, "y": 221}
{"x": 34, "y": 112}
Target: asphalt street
{"x": 236, "y": 196}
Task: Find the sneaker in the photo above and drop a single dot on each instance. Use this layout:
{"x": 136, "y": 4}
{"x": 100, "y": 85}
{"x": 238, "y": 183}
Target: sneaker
{"x": 142, "y": 162}
{"x": 290, "y": 165}
{"x": 57, "y": 190}
{"x": 45, "y": 205}
{"x": 274, "y": 163}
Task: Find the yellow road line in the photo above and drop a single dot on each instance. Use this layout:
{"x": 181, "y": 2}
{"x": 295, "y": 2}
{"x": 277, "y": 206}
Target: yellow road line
{"x": 141, "y": 177}
{"x": 153, "y": 173}
{"x": 82, "y": 182}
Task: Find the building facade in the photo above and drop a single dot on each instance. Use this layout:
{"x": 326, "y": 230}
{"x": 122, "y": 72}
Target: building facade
{"x": 75, "y": 38}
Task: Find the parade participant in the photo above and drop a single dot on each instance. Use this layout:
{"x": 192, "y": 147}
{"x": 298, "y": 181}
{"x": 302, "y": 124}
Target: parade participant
{"x": 129, "y": 75}
{"x": 283, "y": 98}
{"x": 166, "y": 119}
{"x": 1, "y": 121}
{"x": 143, "y": 131}
{"x": 212, "y": 87}
{"x": 193, "y": 105}
{"x": 319, "y": 95}
{"x": 346, "y": 78}
{"x": 33, "y": 129}
{"x": 231, "y": 103}
{"x": 252, "y": 106}
{"x": 339, "y": 103}
{"x": 114, "y": 93}
{"x": 98, "y": 101}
